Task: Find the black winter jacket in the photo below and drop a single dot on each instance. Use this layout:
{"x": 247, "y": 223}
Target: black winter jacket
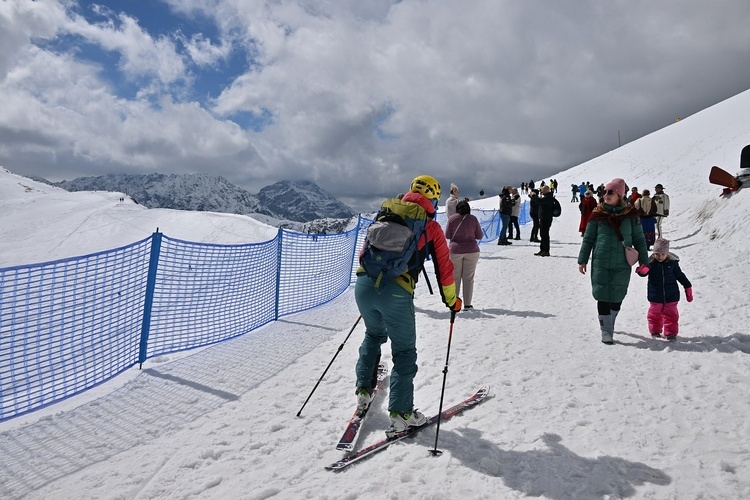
{"x": 547, "y": 206}
{"x": 663, "y": 278}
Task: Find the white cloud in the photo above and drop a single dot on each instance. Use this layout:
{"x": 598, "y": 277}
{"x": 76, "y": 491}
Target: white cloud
{"x": 490, "y": 91}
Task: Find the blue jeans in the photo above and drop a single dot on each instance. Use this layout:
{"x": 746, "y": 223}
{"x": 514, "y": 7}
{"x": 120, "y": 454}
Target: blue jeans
{"x": 388, "y": 314}
{"x": 504, "y": 220}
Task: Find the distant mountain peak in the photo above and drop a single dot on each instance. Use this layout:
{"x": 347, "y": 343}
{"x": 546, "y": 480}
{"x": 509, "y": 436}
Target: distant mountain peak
{"x": 300, "y": 201}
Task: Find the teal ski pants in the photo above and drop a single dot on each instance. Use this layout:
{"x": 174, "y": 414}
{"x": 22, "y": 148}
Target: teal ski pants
{"x": 388, "y": 314}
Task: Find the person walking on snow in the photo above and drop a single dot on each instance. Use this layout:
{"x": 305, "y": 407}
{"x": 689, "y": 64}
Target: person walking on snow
{"x": 388, "y": 313}
{"x": 663, "y": 271}
{"x": 587, "y": 206}
{"x": 463, "y": 231}
{"x": 662, "y": 207}
{"x": 613, "y": 225}
{"x": 646, "y": 209}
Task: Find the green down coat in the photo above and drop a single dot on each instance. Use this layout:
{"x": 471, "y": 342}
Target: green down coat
{"x": 610, "y": 272}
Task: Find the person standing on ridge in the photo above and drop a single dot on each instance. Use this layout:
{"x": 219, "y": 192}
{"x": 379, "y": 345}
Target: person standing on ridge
{"x": 387, "y": 309}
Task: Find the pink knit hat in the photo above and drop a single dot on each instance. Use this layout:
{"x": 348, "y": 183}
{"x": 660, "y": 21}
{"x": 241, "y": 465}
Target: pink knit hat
{"x": 661, "y": 246}
{"x": 617, "y": 185}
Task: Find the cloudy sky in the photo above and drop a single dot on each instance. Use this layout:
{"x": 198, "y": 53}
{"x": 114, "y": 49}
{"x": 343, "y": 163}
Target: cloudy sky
{"x": 356, "y": 96}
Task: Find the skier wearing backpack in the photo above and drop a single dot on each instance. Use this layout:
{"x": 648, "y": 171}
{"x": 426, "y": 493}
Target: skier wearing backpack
{"x": 387, "y": 304}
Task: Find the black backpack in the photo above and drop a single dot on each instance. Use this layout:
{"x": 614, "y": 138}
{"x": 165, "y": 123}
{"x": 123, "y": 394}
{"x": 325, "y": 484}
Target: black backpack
{"x": 557, "y": 209}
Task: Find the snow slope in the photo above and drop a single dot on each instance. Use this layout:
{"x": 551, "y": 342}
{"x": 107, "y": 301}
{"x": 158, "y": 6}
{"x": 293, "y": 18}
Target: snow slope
{"x": 569, "y": 418}
{"x": 42, "y": 222}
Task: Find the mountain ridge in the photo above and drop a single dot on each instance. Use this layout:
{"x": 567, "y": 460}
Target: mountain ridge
{"x": 296, "y": 201}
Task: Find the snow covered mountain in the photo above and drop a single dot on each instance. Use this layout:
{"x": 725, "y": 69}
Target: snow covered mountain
{"x": 302, "y": 201}
{"x": 294, "y": 201}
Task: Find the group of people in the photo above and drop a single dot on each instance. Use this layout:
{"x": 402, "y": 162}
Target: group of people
{"x": 543, "y": 208}
{"x": 528, "y": 187}
{"x": 611, "y": 225}
{"x": 651, "y": 210}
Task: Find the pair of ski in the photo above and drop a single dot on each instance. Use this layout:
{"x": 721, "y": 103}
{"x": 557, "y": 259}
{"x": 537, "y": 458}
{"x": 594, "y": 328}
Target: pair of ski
{"x": 347, "y": 440}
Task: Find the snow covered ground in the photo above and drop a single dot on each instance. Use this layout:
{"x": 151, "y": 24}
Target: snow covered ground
{"x": 569, "y": 417}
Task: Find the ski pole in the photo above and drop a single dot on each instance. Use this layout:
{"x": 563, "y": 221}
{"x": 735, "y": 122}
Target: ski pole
{"x": 329, "y": 364}
{"x": 435, "y": 452}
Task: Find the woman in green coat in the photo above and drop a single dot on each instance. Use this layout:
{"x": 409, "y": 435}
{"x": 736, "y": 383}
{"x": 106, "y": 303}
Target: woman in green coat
{"x": 613, "y": 225}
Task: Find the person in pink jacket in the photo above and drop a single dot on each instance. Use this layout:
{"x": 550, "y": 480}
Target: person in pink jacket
{"x": 463, "y": 231}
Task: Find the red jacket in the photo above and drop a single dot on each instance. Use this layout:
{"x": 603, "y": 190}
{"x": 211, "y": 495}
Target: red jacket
{"x": 588, "y": 204}
{"x": 437, "y": 248}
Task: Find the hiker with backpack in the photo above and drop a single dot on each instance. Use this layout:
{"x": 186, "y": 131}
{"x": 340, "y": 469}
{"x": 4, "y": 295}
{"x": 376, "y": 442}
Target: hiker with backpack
{"x": 549, "y": 208}
{"x": 397, "y": 243}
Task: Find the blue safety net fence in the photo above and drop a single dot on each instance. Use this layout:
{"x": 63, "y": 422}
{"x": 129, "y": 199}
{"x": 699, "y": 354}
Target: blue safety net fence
{"x": 69, "y": 325}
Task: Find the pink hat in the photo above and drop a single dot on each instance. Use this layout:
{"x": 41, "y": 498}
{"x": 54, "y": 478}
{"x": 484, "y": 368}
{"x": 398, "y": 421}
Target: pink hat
{"x": 661, "y": 246}
{"x": 617, "y": 185}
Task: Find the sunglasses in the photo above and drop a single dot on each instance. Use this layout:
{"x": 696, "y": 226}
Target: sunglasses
{"x": 609, "y": 192}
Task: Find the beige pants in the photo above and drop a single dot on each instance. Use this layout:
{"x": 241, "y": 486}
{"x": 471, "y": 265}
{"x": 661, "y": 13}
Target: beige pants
{"x": 464, "y": 267}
